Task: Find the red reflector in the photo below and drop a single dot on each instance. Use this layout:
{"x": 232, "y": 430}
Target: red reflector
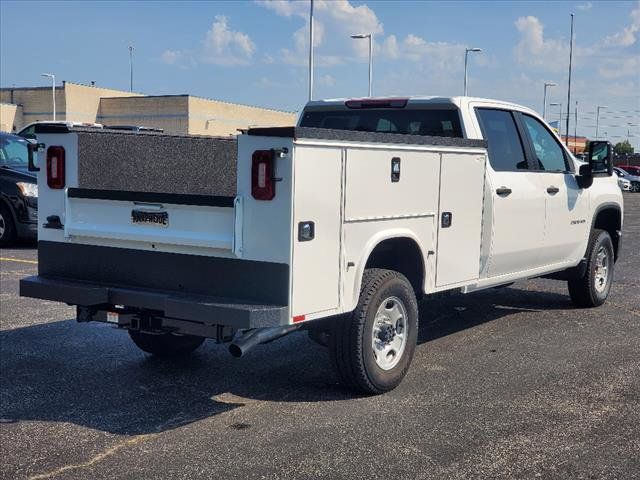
{"x": 298, "y": 318}
{"x": 263, "y": 186}
{"x": 55, "y": 167}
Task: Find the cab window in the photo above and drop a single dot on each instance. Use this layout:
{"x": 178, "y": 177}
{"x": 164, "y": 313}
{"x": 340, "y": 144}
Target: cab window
{"x": 506, "y": 153}
{"x": 548, "y": 153}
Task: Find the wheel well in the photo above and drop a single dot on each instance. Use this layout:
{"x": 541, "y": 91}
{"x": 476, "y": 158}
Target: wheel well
{"x": 610, "y": 219}
{"x": 402, "y": 255}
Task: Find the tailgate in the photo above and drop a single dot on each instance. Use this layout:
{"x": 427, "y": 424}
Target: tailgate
{"x": 189, "y": 220}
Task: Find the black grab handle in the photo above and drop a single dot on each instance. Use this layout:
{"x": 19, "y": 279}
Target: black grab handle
{"x": 33, "y": 147}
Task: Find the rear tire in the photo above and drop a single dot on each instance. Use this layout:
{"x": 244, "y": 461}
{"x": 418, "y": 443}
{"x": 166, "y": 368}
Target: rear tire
{"x": 372, "y": 347}
{"x": 592, "y": 289}
{"x": 165, "y": 344}
{"x": 7, "y": 228}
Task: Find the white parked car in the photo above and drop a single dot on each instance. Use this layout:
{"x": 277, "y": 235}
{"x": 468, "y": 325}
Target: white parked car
{"x": 630, "y": 182}
{"x": 337, "y": 226}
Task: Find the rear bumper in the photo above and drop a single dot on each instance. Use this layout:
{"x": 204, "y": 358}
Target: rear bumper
{"x": 202, "y": 309}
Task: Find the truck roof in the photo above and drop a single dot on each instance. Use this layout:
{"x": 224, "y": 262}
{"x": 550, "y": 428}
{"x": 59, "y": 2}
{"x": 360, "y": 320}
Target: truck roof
{"x": 419, "y": 100}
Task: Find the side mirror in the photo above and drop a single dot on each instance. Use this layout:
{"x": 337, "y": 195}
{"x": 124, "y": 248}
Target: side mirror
{"x": 601, "y": 157}
{"x": 585, "y": 176}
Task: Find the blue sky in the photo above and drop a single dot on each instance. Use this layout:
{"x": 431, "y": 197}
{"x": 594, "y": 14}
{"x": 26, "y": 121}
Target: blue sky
{"x": 255, "y": 52}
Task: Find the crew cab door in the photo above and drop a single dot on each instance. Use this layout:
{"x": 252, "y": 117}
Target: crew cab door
{"x": 517, "y": 214}
{"x": 566, "y": 224}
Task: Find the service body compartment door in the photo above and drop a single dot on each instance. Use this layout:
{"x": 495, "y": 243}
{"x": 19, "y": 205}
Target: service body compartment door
{"x": 317, "y": 196}
{"x": 460, "y": 218}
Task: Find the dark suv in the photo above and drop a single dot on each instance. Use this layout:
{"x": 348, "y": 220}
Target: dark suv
{"x": 18, "y": 191}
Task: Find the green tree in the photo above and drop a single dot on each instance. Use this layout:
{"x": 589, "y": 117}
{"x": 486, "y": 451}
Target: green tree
{"x": 623, "y": 148}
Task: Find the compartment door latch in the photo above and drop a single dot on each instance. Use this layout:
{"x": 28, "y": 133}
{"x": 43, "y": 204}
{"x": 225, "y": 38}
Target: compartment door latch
{"x": 395, "y": 169}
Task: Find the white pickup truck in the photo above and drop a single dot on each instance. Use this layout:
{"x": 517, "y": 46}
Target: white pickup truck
{"x": 337, "y": 226}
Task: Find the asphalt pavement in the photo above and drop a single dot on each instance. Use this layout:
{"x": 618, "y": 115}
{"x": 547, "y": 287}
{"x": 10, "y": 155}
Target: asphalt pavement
{"x": 507, "y": 383}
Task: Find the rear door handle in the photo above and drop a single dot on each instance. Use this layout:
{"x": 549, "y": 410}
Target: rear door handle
{"x": 552, "y": 190}
{"x": 503, "y": 191}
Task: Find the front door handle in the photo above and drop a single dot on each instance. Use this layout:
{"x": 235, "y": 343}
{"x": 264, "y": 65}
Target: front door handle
{"x": 552, "y": 190}
{"x": 503, "y": 191}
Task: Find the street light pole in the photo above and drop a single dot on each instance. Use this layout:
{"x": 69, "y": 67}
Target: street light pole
{"x": 569, "y": 82}
{"x": 311, "y": 51}
{"x": 53, "y": 91}
{"x": 466, "y": 57}
{"x": 544, "y": 100}
{"x": 131, "y": 68}
{"x": 598, "y": 118}
{"x": 370, "y": 37}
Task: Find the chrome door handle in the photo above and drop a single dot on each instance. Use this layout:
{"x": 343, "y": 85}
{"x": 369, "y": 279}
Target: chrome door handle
{"x": 503, "y": 191}
{"x": 552, "y": 190}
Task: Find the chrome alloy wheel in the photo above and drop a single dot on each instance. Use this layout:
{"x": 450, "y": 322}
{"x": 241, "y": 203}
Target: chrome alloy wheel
{"x": 602, "y": 270}
{"x": 3, "y": 225}
{"x": 389, "y": 334}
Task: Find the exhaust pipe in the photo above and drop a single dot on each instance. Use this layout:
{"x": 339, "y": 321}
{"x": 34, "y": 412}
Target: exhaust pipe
{"x": 249, "y": 339}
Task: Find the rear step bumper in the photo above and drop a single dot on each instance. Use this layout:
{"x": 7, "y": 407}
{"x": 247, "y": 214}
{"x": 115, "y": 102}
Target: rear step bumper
{"x": 196, "y": 308}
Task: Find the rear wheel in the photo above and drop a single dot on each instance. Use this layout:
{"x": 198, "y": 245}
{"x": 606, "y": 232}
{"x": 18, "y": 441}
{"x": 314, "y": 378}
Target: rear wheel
{"x": 7, "y": 228}
{"x": 372, "y": 348}
{"x": 165, "y": 344}
{"x": 592, "y": 289}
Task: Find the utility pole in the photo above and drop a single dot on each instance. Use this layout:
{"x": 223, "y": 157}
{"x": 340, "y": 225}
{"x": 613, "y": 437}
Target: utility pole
{"x": 575, "y": 131}
{"x": 544, "y": 99}
{"x": 131, "y": 68}
{"x": 598, "y": 118}
{"x": 311, "y": 51}
{"x": 53, "y": 91}
{"x": 560, "y": 119}
{"x": 569, "y": 83}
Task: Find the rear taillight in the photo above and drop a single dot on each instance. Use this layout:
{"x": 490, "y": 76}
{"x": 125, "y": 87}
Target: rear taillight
{"x": 55, "y": 167}
{"x": 263, "y": 186}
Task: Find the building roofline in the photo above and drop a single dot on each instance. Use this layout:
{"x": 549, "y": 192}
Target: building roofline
{"x": 206, "y": 99}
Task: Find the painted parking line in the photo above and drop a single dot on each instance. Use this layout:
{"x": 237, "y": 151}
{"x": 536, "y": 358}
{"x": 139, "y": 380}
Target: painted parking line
{"x": 19, "y": 260}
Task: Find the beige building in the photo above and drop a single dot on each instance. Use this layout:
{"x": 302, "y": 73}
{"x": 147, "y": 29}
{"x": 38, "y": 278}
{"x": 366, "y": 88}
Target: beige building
{"x": 182, "y": 114}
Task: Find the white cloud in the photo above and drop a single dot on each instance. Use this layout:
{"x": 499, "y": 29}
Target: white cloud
{"x": 326, "y": 81}
{"x": 585, "y": 7}
{"x": 334, "y": 22}
{"x": 534, "y": 50}
{"x": 170, "y": 57}
{"x": 616, "y": 68}
{"x": 223, "y": 46}
{"x": 628, "y": 35}
{"x": 286, "y": 8}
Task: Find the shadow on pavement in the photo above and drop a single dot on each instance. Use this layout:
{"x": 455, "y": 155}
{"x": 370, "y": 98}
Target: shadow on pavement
{"x": 93, "y": 376}
{"x": 22, "y": 244}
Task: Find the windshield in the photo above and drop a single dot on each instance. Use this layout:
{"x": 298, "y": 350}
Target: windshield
{"x": 443, "y": 122}
{"x": 13, "y": 151}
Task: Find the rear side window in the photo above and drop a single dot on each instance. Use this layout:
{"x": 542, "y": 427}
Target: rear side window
{"x": 547, "y": 150}
{"x": 28, "y": 132}
{"x": 443, "y": 122}
{"x": 506, "y": 153}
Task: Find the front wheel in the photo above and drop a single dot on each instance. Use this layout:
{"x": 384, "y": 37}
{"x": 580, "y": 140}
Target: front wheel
{"x": 592, "y": 289}
{"x": 165, "y": 344}
{"x": 372, "y": 347}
